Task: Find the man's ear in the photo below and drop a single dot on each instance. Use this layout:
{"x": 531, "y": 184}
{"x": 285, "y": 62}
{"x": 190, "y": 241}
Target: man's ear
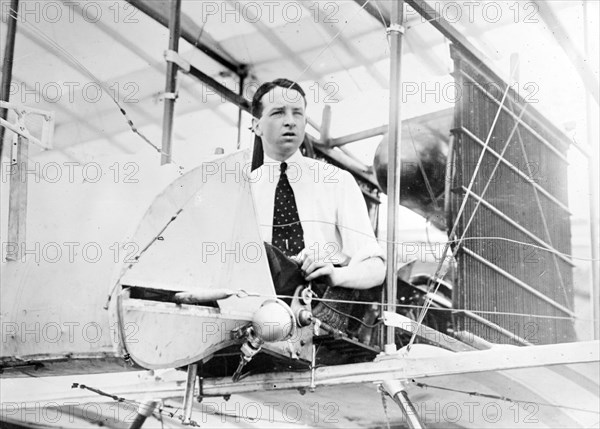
{"x": 256, "y": 127}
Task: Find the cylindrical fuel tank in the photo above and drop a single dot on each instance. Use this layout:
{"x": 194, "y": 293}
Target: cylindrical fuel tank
{"x": 424, "y": 151}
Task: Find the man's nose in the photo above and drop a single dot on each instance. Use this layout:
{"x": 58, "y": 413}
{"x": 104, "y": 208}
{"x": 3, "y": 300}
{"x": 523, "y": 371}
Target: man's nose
{"x": 288, "y": 119}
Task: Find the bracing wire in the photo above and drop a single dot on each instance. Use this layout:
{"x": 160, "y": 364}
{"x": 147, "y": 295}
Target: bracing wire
{"x": 436, "y": 286}
{"x": 501, "y": 398}
{"x": 67, "y": 56}
{"x": 322, "y": 51}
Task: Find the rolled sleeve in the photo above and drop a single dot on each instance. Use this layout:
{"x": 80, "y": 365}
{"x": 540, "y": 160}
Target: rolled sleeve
{"x": 354, "y": 226}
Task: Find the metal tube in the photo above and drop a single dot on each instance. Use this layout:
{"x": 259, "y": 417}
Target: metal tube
{"x": 394, "y": 156}
{"x": 396, "y": 390}
{"x": 144, "y": 411}
{"x": 188, "y": 399}
{"x": 593, "y": 190}
{"x": 9, "y": 52}
{"x": 240, "y": 111}
{"x": 411, "y": 414}
{"x": 171, "y": 85}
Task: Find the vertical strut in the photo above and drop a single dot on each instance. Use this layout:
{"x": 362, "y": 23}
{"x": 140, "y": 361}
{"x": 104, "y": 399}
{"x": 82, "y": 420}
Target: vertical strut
{"x": 396, "y": 390}
{"x": 393, "y": 177}
{"x": 9, "y": 52}
{"x": 190, "y": 384}
{"x": 171, "y": 85}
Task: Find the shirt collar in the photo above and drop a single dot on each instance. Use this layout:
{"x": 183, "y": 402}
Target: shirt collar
{"x": 296, "y": 157}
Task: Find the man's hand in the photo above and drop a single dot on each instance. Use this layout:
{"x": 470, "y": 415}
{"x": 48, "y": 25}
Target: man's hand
{"x": 313, "y": 268}
{"x": 361, "y": 275}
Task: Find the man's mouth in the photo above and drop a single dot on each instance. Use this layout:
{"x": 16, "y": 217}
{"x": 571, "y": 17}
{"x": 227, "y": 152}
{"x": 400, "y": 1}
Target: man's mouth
{"x": 289, "y": 134}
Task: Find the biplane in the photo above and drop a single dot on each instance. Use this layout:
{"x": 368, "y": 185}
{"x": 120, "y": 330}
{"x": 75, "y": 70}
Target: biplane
{"x": 136, "y": 288}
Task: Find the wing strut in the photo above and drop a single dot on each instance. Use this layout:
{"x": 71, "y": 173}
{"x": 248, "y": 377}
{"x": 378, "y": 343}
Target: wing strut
{"x": 396, "y": 390}
{"x": 395, "y": 30}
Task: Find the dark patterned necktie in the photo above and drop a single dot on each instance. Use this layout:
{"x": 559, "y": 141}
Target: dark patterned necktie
{"x": 288, "y": 235}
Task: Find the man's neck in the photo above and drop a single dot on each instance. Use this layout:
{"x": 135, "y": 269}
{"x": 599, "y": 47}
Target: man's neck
{"x": 269, "y": 158}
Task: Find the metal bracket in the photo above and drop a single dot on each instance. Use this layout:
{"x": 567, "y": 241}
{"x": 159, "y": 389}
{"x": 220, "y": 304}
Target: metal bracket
{"x": 170, "y": 95}
{"x": 18, "y": 128}
{"x": 174, "y": 57}
{"x": 395, "y": 28}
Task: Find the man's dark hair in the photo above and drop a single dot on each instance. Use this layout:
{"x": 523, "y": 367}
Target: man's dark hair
{"x": 257, "y": 106}
{"x": 257, "y": 110}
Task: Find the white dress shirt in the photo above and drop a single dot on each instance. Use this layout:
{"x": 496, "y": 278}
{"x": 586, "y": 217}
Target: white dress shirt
{"x": 330, "y": 204}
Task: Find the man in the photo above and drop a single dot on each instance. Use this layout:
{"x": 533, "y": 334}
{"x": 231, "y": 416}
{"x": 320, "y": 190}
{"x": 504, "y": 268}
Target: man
{"x": 323, "y": 220}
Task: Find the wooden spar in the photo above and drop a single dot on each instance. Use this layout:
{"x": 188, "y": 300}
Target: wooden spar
{"x": 9, "y": 52}
{"x": 394, "y": 156}
{"x": 171, "y": 85}
{"x": 17, "y": 203}
{"x": 242, "y": 78}
{"x": 361, "y": 135}
{"x": 498, "y": 358}
{"x": 190, "y": 32}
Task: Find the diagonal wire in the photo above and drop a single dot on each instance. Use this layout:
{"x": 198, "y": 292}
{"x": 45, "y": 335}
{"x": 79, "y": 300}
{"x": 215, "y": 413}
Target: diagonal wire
{"x": 501, "y": 398}
{"x": 489, "y": 181}
{"x": 331, "y": 41}
{"x": 436, "y": 275}
{"x": 66, "y": 55}
{"x": 382, "y": 240}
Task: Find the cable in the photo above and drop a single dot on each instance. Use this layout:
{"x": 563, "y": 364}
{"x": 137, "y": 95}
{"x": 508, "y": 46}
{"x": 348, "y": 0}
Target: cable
{"x": 453, "y": 310}
{"x": 382, "y": 240}
{"x": 331, "y": 41}
{"x": 501, "y": 398}
{"x": 349, "y": 315}
{"x": 458, "y": 216}
{"x": 60, "y": 51}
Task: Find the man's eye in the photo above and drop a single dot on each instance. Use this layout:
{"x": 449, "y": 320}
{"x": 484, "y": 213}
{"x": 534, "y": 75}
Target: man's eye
{"x": 276, "y": 113}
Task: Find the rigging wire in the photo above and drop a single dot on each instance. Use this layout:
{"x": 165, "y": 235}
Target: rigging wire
{"x": 459, "y": 214}
{"x": 298, "y": 78}
{"x": 70, "y": 58}
{"x": 383, "y": 240}
{"x": 501, "y": 398}
{"x": 452, "y": 310}
{"x": 66, "y": 55}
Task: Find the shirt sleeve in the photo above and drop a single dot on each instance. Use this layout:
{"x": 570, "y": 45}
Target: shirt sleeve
{"x": 354, "y": 226}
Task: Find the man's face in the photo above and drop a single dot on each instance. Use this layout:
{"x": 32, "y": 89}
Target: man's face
{"x": 281, "y": 126}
